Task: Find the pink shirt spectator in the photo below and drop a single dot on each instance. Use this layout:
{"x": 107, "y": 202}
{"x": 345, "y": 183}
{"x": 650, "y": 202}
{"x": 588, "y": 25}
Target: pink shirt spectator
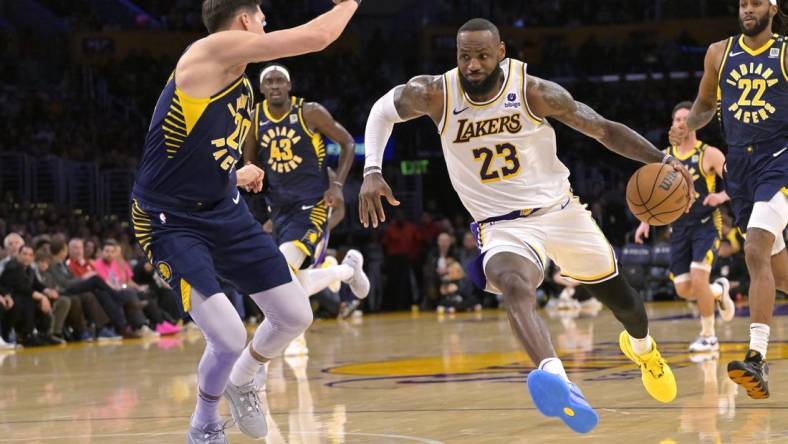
{"x": 115, "y": 274}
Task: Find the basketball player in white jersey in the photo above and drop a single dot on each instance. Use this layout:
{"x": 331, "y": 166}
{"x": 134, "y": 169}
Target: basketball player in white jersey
{"x": 500, "y": 151}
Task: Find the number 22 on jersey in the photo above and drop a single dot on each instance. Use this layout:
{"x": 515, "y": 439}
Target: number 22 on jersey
{"x": 487, "y": 156}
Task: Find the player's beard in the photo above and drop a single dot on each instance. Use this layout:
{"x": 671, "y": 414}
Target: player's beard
{"x": 760, "y": 24}
{"x": 483, "y": 87}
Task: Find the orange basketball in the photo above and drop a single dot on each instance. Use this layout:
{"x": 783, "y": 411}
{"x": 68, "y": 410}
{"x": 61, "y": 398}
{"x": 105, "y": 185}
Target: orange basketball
{"x": 657, "y": 194}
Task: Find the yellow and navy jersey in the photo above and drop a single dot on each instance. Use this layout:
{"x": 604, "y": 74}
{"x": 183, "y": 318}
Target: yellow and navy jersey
{"x": 705, "y": 183}
{"x": 193, "y": 144}
{"x": 753, "y": 92}
{"x": 293, "y": 156}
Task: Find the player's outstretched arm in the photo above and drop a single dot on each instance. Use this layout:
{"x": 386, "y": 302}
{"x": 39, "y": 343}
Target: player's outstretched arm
{"x": 317, "y": 117}
{"x": 233, "y": 48}
{"x": 548, "y": 99}
{"x": 705, "y": 105}
{"x": 421, "y": 96}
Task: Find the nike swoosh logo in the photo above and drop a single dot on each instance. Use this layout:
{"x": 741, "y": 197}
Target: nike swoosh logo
{"x": 237, "y": 198}
{"x": 307, "y": 207}
{"x": 734, "y": 54}
{"x": 703, "y": 221}
{"x": 460, "y": 111}
{"x": 777, "y": 154}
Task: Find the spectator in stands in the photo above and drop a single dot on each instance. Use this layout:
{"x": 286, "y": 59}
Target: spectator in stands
{"x": 32, "y": 302}
{"x": 82, "y": 293}
{"x": 436, "y": 267}
{"x": 91, "y": 250}
{"x": 11, "y": 245}
{"x": 402, "y": 244}
{"x": 78, "y": 263}
{"x": 6, "y": 305}
{"x": 88, "y": 280}
{"x": 61, "y": 307}
{"x": 117, "y": 274}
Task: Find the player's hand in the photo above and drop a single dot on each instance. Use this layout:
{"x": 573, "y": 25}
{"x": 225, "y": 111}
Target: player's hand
{"x": 333, "y": 196}
{"x": 52, "y": 294}
{"x": 678, "y": 166}
{"x": 715, "y": 199}
{"x": 250, "y": 178}
{"x": 678, "y": 133}
{"x": 9, "y": 302}
{"x": 642, "y": 231}
{"x": 370, "y": 205}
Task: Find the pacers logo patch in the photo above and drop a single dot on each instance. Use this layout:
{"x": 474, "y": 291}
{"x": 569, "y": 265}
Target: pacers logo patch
{"x": 164, "y": 270}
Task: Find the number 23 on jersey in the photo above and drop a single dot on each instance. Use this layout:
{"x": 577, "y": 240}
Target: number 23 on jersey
{"x": 487, "y": 156}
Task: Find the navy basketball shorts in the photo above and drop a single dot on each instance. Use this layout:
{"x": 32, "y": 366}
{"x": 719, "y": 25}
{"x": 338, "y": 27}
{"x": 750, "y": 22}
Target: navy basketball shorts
{"x": 303, "y": 223}
{"x": 755, "y": 174}
{"x": 190, "y": 248}
{"x": 693, "y": 245}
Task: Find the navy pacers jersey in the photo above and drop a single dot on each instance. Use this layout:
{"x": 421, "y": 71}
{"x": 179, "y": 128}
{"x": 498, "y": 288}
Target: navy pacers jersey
{"x": 193, "y": 144}
{"x": 292, "y": 155}
{"x": 753, "y": 92}
{"x": 705, "y": 183}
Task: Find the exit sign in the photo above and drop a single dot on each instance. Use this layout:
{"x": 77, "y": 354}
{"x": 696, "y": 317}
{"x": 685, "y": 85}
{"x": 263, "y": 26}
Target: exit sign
{"x": 414, "y": 167}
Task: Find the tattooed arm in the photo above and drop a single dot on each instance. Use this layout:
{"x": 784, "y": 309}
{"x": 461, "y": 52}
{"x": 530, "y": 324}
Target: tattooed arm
{"x": 548, "y": 99}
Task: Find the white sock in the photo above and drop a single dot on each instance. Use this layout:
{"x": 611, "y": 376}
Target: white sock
{"x": 314, "y": 280}
{"x": 245, "y": 368}
{"x": 759, "y": 338}
{"x": 641, "y": 346}
{"x": 716, "y": 290}
{"x": 554, "y": 366}
{"x": 707, "y": 325}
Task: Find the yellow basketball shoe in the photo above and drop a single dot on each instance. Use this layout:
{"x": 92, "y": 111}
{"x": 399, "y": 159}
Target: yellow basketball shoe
{"x": 656, "y": 375}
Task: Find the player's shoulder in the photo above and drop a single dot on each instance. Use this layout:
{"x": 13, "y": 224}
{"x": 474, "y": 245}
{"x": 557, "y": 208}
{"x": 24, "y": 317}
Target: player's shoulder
{"x": 718, "y": 47}
{"x": 427, "y": 82}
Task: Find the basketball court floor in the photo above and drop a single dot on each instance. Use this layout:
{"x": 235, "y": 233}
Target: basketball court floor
{"x": 401, "y": 378}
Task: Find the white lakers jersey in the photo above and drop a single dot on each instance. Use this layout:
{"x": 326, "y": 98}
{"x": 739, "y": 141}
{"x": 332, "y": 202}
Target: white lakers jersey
{"x": 500, "y": 157}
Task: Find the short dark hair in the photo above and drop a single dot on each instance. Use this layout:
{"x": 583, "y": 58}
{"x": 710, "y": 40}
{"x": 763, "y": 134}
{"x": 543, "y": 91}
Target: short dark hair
{"x": 43, "y": 256}
{"x": 110, "y": 243}
{"x": 217, "y": 13}
{"x": 681, "y": 105}
{"x": 58, "y": 244}
{"x": 480, "y": 24}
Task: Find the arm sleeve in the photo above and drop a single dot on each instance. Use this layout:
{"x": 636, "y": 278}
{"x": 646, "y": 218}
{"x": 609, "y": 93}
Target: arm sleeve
{"x": 380, "y": 123}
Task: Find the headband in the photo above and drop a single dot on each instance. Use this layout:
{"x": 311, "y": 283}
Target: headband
{"x": 275, "y": 68}
{"x": 774, "y": 2}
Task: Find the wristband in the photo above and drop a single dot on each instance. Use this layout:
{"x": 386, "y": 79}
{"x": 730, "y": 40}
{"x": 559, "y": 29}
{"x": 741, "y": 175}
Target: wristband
{"x": 667, "y": 159}
{"x": 338, "y": 183}
{"x": 372, "y": 170}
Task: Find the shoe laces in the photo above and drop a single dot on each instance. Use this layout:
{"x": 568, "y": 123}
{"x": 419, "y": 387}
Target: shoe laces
{"x": 248, "y": 395}
{"x": 655, "y": 365}
{"x": 215, "y": 434}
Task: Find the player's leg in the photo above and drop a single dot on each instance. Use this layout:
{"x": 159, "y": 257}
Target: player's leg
{"x": 517, "y": 278}
{"x": 583, "y": 253}
{"x": 225, "y": 338}
{"x": 316, "y": 279}
{"x": 249, "y": 258}
{"x": 176, "y": 247}
{"x": 764, "y": 239}
{"x": 301, "y": 233}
